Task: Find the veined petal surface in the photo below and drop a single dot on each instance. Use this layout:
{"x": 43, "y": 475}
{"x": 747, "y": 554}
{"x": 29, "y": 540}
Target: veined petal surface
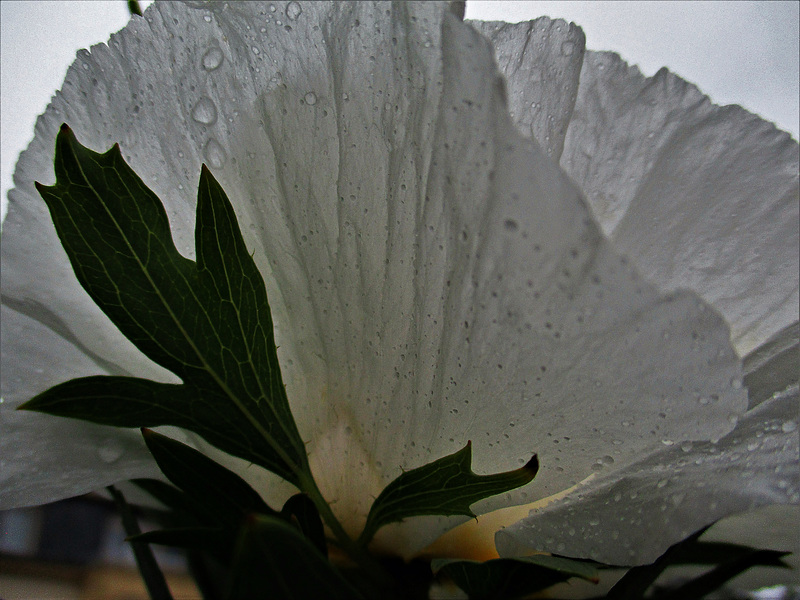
{"x": 434, "y": 276}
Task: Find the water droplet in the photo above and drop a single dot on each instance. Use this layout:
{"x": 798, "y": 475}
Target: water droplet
{"x": 205, "y": 111}
{"x": 215, "y": 154}
{"x": 110, "y": 450}
{"x": 594, "y": 522}
{"x": 788, "y": 427}
{"x": 310, "y": 98}
{"x": 293, "y": 10}
{"x": 256, "y": 51}
{"x": 510, "y": 225}
{"x": 687, "y": 446}
{"x": 212, "y": 59}
{"x": 207, "y": 18}
{"x": 272, "y": 8}
{"x": 567, "y": 48}
{"x": 662, "y": 483}
{"x": 667, "y": 442}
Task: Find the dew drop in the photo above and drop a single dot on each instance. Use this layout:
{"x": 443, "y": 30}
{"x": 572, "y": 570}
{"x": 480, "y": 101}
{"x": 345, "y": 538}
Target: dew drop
{"x": 567, "y": 48}
{"x": 687, "y": 446}
{"x": 215, "y": 154}
{"x": 788, "y": 427}
{"x": 110, "y": 450}
{"x": 310, "y": 98}
{"x": 510, "y": 225}
{"x": 255, "y": 50}
{"x": 293, "y": 10}
{"x": 205, "y": 111}
{"x": 594, "y": 522}
{"x": 207, "y": 18}
{"x": 212, "y": 59}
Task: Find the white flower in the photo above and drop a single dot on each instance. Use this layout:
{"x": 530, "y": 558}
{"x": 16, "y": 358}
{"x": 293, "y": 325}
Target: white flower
{"x": 435, "y": 276}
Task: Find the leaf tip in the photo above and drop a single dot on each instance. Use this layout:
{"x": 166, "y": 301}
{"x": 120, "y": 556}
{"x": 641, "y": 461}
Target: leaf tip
{"x": 532, "y": 465}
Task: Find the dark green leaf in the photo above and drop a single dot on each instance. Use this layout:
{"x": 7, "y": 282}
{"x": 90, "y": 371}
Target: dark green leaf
{"x": 184, "y": 537}
{"x": 637, "y": 580}
{"x": 710, "y": 553}
{"x": 274, "y": 560}
{"x": 299, "y": 509}
{"x": 207, "y": 321}
{"x": 713, "y": 580}
{"x": 148, "y": 567}
{"x": 444, "y": 487}
{"x": 168, "y": 495}
{"x": 225, "y": 497}
{"x": 507, "y": 578}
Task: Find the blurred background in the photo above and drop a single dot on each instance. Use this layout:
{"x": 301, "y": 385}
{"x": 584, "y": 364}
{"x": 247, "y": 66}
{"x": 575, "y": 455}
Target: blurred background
{"x": 737, "y": 52}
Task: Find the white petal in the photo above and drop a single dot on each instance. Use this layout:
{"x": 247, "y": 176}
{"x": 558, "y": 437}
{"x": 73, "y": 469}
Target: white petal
{"x": 541, "y": 61}
{"x": 701, "y": 196}
{"x": 42, "y": 458}
{"x": 632, "y": 516}
{"x": 434, "y": 277}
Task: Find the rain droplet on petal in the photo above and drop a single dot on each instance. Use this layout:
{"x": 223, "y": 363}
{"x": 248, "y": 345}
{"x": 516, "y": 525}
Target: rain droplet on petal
{"x": 310, "y": 98}
{"x": 511, "y": 225}
{"x": 215, "y": 154}
{"x": 205, "y": 111}
{"x": 293, "y": 10}
{"x": 789, "y": 427}
{"x": 110, "y": 450}
{"x": 207, "y": 18}
{"x": 567, "y": 48}
{"x": 212, "y": 59}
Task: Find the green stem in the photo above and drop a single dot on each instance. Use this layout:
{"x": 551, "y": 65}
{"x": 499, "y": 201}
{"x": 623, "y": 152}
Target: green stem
{"x": 148, "y": 567}
{"x": 372, "y": 568}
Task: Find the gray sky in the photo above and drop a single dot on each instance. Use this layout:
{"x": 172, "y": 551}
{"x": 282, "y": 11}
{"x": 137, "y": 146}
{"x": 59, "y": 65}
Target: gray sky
{"x": 736, "y": 52}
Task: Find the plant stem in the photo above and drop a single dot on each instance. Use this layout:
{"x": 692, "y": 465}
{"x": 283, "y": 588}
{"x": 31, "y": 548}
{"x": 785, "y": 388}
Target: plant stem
{"x": 148, "y": 567}
{"x": 372, "y": 568}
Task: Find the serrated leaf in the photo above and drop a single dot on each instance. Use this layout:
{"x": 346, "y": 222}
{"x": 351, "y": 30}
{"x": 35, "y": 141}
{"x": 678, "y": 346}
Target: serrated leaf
{"x": 446, "y": 486}
{"x": 223, "y": 496}
{"x": 274, "y": 559}
{"x": 508, "y": 578}
{"x": 206, "y": 321}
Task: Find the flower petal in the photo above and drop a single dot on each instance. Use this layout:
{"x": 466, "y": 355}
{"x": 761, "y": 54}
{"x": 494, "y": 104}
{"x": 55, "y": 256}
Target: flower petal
{"x": 434, "y": 277}
{"x": 43, "y": 459}
{"x": 630, "y": 517}
{"x": 704, "y": 197}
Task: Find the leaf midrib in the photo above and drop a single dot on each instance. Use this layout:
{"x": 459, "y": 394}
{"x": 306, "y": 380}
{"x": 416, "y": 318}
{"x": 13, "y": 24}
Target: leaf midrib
{"x": 217, "y": 379}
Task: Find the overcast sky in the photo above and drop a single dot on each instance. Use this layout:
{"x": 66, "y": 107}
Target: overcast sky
{"x": 736, "y": 52}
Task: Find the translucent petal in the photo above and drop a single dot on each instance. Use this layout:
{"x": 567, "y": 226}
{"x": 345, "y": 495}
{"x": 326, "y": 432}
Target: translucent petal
{"x": 434, "y": 276}
{"x": 43, "y": 459}
{"x": 631, "y": 516}
{"x": 703, "y": 197}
